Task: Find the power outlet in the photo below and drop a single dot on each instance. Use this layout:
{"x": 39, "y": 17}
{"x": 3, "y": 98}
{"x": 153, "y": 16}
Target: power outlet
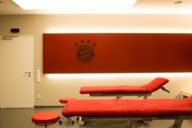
{"x": 38, "y": 96}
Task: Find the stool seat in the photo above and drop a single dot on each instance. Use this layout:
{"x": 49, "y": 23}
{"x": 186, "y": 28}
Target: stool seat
{"x": 45, "y": 118}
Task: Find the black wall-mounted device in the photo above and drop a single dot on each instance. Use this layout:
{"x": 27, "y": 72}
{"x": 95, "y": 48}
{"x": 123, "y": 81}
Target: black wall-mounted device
{"x": 15, "y": 30}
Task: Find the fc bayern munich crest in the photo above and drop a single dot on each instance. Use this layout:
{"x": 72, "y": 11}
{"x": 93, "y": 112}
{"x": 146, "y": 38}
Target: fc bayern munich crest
{"x": 85, "y": 51}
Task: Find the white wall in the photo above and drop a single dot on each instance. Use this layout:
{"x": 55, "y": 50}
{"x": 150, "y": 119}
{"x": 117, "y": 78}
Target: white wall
{"x": 51, "y": 89}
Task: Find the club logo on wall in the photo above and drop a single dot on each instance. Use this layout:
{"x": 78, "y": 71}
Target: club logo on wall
{"x": 85, "y": 51}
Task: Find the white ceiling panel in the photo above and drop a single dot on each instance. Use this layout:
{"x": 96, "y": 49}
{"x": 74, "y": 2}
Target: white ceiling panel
{"x": 141, "y": 7}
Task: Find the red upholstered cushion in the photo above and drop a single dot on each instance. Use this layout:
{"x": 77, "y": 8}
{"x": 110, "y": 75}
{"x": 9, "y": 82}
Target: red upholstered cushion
{"x": 112, "y": 89}
{"x": 65, "y": 100}
{"x": 45, "y": 118}
{"x": 146, "y": 88}
{"x": 128, "y": 107}
{"x": 156, "y": 84}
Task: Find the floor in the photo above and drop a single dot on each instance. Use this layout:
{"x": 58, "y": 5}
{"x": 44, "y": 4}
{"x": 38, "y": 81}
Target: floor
{"x": 21, "y": 118}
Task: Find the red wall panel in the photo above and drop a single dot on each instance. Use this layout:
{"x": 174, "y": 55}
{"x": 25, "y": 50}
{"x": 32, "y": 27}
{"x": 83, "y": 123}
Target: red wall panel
{"x": 116, "y": 53}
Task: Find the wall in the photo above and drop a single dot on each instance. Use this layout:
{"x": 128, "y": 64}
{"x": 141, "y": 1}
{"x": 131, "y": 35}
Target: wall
{"x": 51, "y": 88}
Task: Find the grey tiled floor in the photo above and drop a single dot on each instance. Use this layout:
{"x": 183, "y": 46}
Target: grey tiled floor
{"x": 21, "y": 118}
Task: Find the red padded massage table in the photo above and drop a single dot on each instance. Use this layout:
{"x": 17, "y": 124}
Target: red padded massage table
{"x": 126, "y": 90}
{"x": 177, "y": 109}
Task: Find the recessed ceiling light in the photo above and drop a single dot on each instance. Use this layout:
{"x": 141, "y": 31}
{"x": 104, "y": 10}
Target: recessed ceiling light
{"x": 84, "y": 6}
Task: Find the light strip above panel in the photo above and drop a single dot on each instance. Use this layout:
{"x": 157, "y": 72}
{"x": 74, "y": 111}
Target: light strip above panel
{"x": 121, "y": 75}
{"x": 78, "y": 6}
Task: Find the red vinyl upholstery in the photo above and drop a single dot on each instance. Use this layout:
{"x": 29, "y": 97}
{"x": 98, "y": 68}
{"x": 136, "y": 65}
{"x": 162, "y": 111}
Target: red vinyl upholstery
{"x": 65, "y": 100}
{"x": 152, "y": 86}
{"x": 128, "y": 107}
{"x": 45, "y": 118}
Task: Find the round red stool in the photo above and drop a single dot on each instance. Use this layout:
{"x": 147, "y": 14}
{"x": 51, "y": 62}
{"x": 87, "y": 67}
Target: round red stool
{"x": 45, "y": 118}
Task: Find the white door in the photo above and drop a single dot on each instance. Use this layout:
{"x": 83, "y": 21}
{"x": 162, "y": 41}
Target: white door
{"x": 16, "y": 72}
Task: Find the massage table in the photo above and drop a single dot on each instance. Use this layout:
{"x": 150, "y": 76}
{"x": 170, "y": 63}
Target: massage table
{"x": 126, "y": 90}
{"x": 131, "y": 109}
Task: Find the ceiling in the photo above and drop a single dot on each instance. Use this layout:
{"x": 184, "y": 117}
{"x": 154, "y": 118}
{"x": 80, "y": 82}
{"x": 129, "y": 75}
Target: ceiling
{"x": 141, "y": 7}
